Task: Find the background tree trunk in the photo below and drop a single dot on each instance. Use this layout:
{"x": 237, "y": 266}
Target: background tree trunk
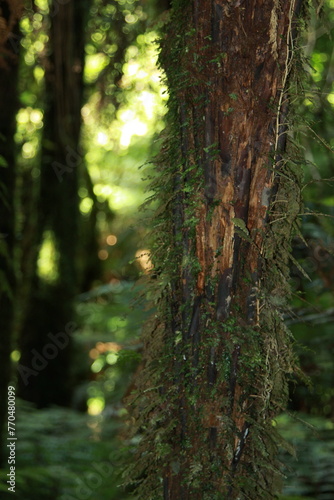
{"x": 218, "y": 353}
{"x": 9, "y": 45}
{"x": 51, "y": 306}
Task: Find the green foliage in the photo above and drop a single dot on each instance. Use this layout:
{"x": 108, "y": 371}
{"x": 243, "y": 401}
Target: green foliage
{"x": 310, "y": 473}
{"x": 62, "y": 455}
{"x": 109, "y": 319}
{"x": 313, "y": 298}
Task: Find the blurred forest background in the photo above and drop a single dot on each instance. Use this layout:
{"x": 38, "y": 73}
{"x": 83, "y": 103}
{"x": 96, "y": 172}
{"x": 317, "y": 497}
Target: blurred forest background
{"x": 82, "y": 104}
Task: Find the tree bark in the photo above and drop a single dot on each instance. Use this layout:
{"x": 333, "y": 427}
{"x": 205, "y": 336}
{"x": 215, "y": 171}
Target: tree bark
{"x": 217, "y": 357}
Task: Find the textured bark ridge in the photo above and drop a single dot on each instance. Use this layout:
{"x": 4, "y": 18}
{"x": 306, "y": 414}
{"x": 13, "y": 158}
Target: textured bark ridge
{"x": 221, "y": 351}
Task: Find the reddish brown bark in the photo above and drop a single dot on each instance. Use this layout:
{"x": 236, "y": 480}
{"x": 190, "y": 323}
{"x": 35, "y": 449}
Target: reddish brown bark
{"x": 226, "y": 355}
{"x": 238, "y": 62}
{"x": 243, "y": 118}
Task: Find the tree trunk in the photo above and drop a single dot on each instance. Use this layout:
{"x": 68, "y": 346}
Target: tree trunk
{"x": 9, "y": 47}
{"x": 217, "y": 356}
{"x": 51, "y": 307}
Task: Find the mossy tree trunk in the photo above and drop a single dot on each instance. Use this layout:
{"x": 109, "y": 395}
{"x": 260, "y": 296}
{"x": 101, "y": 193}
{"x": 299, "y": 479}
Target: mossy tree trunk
{"x": 217, "y": 356}
{"x": 10, "y": 13}
{"x": 51, "y": 305}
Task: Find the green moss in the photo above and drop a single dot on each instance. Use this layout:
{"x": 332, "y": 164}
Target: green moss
{"x": 258, "y": 359}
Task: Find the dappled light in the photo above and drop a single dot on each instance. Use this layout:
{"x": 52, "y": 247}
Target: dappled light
{"x": 47, "y": 261}
{"x": 143, "y": 258}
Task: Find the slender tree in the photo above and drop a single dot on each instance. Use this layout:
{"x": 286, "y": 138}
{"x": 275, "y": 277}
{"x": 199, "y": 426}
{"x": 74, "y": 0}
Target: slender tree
{"x": 217, "y": 355}
{"x": 51, "y": 306}
{"x": 10, "y": 12}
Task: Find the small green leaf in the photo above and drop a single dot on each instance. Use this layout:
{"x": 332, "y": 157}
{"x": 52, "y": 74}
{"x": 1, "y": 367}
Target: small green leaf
{"x": 241, "y": 229}
{"x": 241, "y": 224}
